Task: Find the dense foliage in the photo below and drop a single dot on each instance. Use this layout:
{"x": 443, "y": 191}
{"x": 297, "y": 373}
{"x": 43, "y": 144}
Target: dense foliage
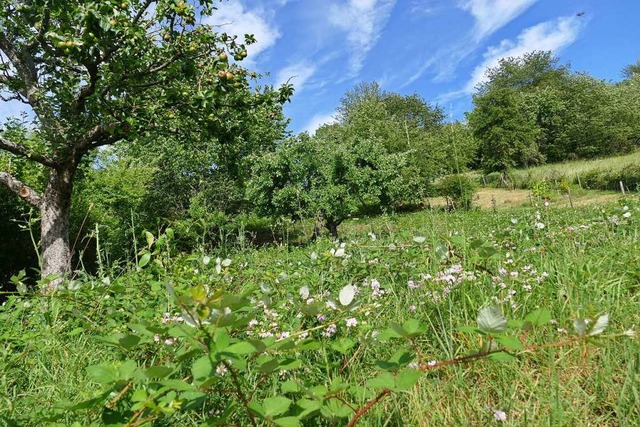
{"x": 532, "y": 110}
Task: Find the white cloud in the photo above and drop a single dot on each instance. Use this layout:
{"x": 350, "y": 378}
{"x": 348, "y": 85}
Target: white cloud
{"x": 319, "y": 120}
{"x": 551, "y": 35}
{"x": 297, "y": 73}
{"x": 234, "y": 19}
{"x": 491, "y": 15}
{"x": 546, "y": 36}
{"x": 362, "y": 21}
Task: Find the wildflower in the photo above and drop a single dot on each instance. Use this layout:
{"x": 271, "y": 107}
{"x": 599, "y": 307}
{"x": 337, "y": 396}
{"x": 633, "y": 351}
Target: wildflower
{"x": 284, "y": 335}
{"x": 626, "y": 214}
{"x": 432, "y": 363}
{"x": 539, "y": 225}
{"x": 169, "y": 341}
{"x": 330, "y": 331}
{"x": 321, "y": 317}
{"x": 156, "y": 338}
{"x": 351, "y": 322}
{"x": 412, "y": 308}
{"x": 252, "y": 323}
{"x": 221, "y": 369}
{"x": 499, "y": 415}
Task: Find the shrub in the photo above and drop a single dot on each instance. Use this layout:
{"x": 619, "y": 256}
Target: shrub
{"x": 459, "y": 189}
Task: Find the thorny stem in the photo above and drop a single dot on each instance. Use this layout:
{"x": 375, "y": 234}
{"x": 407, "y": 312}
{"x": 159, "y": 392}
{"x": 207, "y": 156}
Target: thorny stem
{"x": 456, "y": 361}
{"x": 239, "y": 393}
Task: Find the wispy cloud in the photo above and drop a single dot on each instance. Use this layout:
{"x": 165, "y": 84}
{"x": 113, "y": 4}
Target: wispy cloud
{"x": 233, "y": 18}
{"x": 552, "y": 36}
{"x": 363, "y": 22}
{"x": 319, "y": 120}
{"x": 297, "y": 73}
{"x": 491, "y": 15}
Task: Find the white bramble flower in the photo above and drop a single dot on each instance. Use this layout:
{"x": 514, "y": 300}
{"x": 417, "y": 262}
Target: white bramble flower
{"x": 351, "y": 322}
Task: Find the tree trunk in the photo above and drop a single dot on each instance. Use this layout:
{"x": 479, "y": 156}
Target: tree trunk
{"x": 317, "y": 228}
{"x": 332, "y": 226}
{"x": 54, "y": 226}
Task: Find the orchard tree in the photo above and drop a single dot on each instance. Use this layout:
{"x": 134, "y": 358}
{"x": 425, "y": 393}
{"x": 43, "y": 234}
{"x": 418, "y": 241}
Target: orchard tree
{"x": 330, "y": 177}
{"x": 95, "y": 73}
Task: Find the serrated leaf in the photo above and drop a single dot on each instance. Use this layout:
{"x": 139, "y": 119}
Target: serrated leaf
{"x": 242, "y": 347}
{"x": 256, "y": 408}
{"x": 158, "y": 371}
{"x": 343, "y": 345}
{"x": 202, "y": 369}
{"x": 538, "y": 317}
{"x": 490, "y": 319}
{"x": 600, "y": 325}
{"x": 413, "y": 328}
{"x": 347, "y": 294}
{"x": 129, "y": 341}
{"x": 275, "y": 406}
{"x": 287, "y": 422}
{"x": 290, "y": 387}
{"x": 407, "y": 379}
{"x": 510, "y": 343}
{"x": 103, "y": 373}
{"x": 383, "y": 380}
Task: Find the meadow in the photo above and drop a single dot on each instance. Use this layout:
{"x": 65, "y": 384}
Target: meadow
{"x": 522, "y": 316}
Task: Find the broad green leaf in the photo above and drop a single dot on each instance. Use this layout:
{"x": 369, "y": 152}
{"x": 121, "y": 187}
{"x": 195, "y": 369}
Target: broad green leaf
{"x": 413, "y": 328}
{"x": 158, "y": 371}
{"x": 287, "y": 422}
{"x": 510, "y": 343}
{"x": 202, "y": 369}
{"x": 600, "y": 325}
{"x": 144, "y": 259}
{"x": 407, "y": 378}
{"x": 343, "y": 345}
{"x": 383, "y": 380}
{"x": 242, "y": 347}
{"x": 257, "y": 408}
{"x": 490, "y": 319}
{"x": 104, "y": 373}
{"x": 290, "y": 387}
{"x": 129, "y": 341}
{"x": 502, "y": 357}
{"x": 419, "y": 239}
{"x": 150, "y": 238}
{"x": 538, "y": 317}
{"x": 275, "y": 406}
{"x": 127, "y": 369}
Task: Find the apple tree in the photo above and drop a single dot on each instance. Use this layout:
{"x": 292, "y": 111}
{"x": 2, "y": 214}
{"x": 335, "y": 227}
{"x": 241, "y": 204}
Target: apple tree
{"x": 97, "y": 73}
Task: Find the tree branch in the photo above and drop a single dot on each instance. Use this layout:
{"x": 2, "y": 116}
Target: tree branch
{"x": 21, "y": 190}
{"x": 21, "y": 150}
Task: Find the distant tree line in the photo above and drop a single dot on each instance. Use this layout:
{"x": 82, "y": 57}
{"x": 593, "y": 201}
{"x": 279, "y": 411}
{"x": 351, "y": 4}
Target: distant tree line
{"x": 240, "y": 167}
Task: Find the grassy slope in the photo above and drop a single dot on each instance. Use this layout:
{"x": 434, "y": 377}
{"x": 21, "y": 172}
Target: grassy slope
{"x": 592, "y": 269}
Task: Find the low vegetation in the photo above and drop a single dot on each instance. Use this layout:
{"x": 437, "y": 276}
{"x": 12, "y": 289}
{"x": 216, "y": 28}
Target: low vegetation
{"x": 520, "y": 316}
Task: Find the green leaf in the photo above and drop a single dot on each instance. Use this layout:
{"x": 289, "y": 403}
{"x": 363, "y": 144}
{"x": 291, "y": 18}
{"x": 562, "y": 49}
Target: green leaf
{"x": 308, "y": 406}
{"x": 502, "y": 357}
{"x": 407, "y": 378}
{"x": 600, "y": 325}
{"x": 419, "y": 239}
{"x": 104, "y": 373}
{"x": 257, "y": 408}
{"x": 383, "y": 380}
{"x": 202, "y": 369}
{"x": 150, "y": 238}
{"x": 510, "y": 343}
{"x": 287, "y": 422}
{"x": 274, "y": 406}
{"x": 129, "y": 341}
{"x": 470, "y": 330}
{"x": 127, "y": 369}
{"x": 538, "y": 317}
{"x": 490, "y": 319}
{"x": 144, "y": 259}
{"x": 242, "y": 347}
{"x": 413, "y": 328}
{"x": 158, "y": 371}
{"x": 343, "y": 345}
{"x": 290, "y": 387}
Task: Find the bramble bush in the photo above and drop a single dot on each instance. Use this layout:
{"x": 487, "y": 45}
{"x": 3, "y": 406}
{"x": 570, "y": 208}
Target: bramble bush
{"x": 324, "y": 335}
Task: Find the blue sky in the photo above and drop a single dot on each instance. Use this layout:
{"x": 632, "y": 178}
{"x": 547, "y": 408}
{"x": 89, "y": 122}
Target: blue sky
{"x": 436, "y": 48}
